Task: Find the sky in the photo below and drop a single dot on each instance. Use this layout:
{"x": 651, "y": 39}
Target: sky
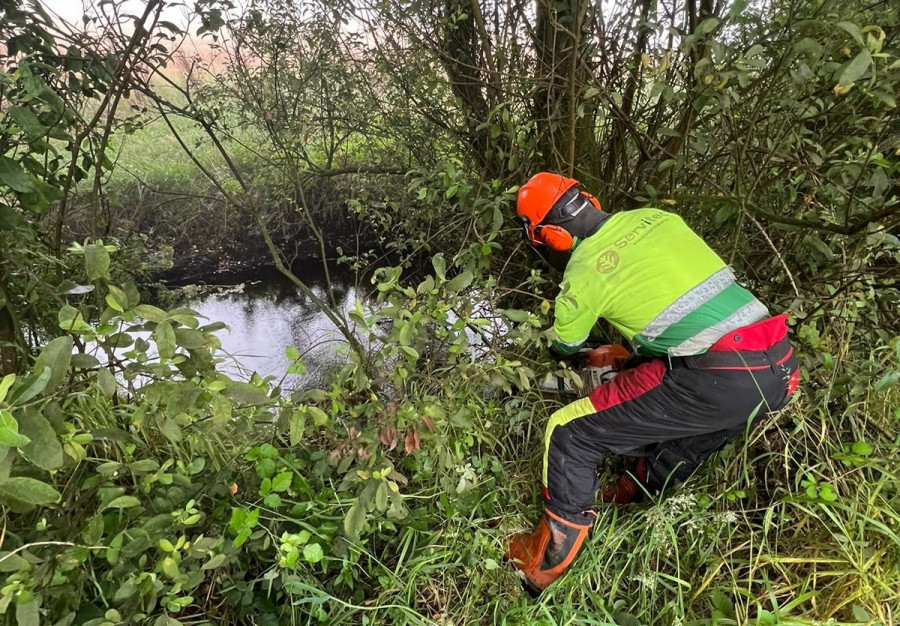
{"x": 73, "y": 10}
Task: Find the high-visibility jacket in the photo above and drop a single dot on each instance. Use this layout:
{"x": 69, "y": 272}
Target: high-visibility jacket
{"x": 656, "y": 281}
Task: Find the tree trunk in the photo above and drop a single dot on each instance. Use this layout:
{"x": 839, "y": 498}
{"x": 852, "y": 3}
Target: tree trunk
{"x": 565, "y": 122}
{"x": 461, "y": 60}
{"x": 11, "y": 341}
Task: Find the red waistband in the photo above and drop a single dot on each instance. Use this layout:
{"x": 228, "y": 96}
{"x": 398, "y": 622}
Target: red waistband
{"x": 757, "y": 336}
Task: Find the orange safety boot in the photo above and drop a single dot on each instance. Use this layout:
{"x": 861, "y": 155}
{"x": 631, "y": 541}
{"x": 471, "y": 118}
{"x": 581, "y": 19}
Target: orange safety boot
{"x": 621, "y": 493}
{"x": 627, "y": 489}
{"x": 545, "y": 554}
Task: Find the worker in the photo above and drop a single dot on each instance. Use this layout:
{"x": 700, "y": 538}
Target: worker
{"x": 715, "y": 361}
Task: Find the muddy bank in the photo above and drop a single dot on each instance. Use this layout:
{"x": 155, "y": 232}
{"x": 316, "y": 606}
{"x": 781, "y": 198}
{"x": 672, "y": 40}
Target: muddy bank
{"x": 187, "y": 239}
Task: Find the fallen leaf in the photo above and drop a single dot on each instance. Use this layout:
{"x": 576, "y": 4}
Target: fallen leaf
{"x": 411, "y": 441}
{"x": 427, "y": 421}
{"x": 388, "y": 437}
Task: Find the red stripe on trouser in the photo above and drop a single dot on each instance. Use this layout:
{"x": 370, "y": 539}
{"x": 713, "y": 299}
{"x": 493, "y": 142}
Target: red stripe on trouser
{"x": 629, "y": 385}
{"x": 793, "y": 382}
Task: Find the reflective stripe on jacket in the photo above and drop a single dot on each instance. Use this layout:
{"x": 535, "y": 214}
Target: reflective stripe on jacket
{"x": 655, "y": 280}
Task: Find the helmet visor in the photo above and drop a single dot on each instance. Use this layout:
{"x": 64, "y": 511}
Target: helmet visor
{"x": 568, "y": 208}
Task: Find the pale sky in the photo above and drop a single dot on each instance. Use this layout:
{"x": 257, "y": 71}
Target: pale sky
{"x": 73, "y": 10}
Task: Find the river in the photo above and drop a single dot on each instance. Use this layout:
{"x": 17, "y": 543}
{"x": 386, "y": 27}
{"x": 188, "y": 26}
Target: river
{"x": 266, "y": 313}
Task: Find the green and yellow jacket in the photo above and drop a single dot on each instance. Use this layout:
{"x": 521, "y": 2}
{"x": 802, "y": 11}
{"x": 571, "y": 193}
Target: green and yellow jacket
{"x": 654, "y": 279}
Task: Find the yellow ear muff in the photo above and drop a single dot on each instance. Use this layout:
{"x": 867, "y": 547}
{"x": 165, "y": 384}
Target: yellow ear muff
{"x": 555, "y": 237}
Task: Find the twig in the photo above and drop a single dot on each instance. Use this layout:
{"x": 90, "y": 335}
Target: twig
{"x": 50, "y": 543}
{"x": 775, "y": 250}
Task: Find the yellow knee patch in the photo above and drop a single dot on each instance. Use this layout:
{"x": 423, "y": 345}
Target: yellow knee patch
{"x": 579, "y": 408}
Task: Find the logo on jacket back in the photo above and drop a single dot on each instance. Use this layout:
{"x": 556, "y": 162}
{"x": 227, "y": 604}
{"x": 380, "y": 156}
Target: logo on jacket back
{"x": 643, "y": 227}
{"x": 608, "y": 261}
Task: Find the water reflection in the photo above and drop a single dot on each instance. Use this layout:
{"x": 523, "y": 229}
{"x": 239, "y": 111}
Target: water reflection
{"x": 266, "y": 313}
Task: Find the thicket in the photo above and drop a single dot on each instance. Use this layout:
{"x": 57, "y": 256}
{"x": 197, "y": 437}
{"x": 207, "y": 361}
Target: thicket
{"x": 139, "y": 484}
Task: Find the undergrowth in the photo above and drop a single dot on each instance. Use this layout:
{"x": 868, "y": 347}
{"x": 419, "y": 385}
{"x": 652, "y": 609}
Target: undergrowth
{"x": 140, "y": 484}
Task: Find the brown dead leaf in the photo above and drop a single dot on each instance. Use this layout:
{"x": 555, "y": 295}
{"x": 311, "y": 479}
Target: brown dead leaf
{"x": 335, "y": 454}
{"x": 411, "y": 441}
{"x": 388, "y": 437}
{"x": 428, "y": 423}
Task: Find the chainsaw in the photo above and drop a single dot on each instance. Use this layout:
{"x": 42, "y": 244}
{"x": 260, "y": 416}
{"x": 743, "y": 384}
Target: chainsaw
{"x": 597, "y": 366}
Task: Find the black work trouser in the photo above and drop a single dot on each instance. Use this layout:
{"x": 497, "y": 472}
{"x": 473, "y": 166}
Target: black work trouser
{"x": 674, "y": 415}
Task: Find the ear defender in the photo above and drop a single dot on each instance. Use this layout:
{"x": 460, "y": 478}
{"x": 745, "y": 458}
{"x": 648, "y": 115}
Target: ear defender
{"x": 592, "y": 200}
{"x": 554, "y": 237}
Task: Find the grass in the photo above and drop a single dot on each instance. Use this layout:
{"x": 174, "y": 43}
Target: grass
{"x": 152, "y": 156}
{"x": 704, "y": 555}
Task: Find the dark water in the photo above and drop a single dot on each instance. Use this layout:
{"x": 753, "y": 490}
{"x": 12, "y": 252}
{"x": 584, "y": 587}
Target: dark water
{"x": 266, "y": 313}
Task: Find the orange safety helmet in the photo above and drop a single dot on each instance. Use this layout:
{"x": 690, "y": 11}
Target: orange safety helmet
{"x": 535, "y": 200}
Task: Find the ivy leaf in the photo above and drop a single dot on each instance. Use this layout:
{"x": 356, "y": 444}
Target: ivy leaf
{"x": 708, "y": 25}
{"x": 190, "y": 339}
{"x": 117, "y": 299}
{"x": 171, "y": 430}
{"x": 29, "y": 490}
{"x": 68, "y": 288}
{"x": 887, "y": 381}
{"x": 96, "y": 261}
{"x": 13, "y": 176}
{"x": 93, "y": 531}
